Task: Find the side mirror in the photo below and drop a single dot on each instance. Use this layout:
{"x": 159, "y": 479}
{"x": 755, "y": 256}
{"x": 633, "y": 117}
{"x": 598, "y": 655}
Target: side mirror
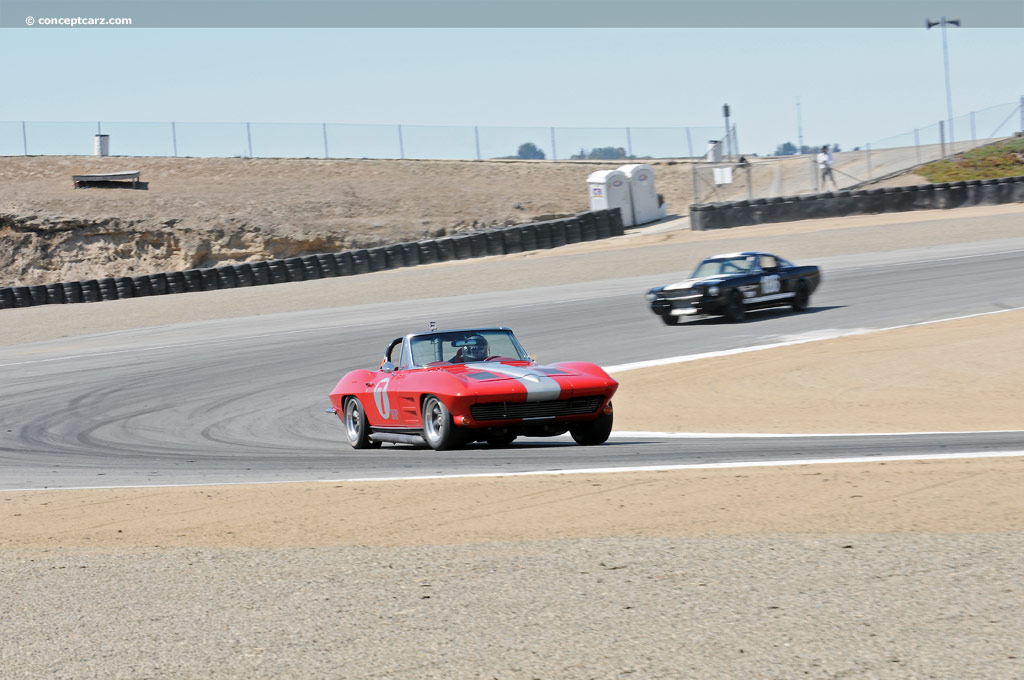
{"x": 387, "y": 367}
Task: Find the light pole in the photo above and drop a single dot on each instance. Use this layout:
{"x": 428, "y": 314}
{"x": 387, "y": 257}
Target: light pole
{"x": 928, "y": 23}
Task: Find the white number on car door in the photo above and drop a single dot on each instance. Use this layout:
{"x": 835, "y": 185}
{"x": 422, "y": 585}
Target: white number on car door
{"x": 770, "y": 284}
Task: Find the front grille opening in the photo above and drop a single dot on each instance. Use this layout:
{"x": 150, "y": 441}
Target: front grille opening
{"x": 503, "y": 410}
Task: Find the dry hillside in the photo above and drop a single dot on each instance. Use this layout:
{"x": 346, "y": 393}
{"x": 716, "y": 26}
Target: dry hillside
{"x": 202, "y": 212}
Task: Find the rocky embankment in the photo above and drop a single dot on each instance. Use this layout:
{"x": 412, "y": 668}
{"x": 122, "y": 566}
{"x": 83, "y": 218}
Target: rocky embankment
{"x": 206, "y": 212}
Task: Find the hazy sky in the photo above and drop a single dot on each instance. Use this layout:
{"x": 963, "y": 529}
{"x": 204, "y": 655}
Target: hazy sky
{"x": 855, "y": 86}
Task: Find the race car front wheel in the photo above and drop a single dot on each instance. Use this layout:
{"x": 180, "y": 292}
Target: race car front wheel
{"x": 356, "y": 427}
{"x": 438, "y": 427}
{"x": 593, "y": 432}
{"x": 734, "y": 307}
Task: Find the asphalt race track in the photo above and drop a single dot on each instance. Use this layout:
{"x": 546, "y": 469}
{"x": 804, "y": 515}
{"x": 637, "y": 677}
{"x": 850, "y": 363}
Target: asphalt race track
{"x": 243, "y": 400}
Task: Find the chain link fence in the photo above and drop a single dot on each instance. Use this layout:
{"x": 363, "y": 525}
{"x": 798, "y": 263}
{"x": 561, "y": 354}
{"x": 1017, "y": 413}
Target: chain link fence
{"x": 335, "y": 140}
{"x": 718, "y": 177}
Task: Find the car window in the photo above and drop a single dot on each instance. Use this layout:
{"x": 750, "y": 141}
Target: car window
{"x": 406, "y": 360}
{"x": 723, "y": 267}
{"x": 449, "y": 347}
{"x": 769, "y": 262}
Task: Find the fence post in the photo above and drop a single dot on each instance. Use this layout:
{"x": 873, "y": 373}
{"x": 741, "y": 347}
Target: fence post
{"x": 1022, "y": 113}
{"x": 917, "y": 146}
{"x": 629, "y": 143}
{"x": 554, "y": 150}
{"x": 942, "y": 138}
{"x": 735, "y": 141}
{"x": 248, "y": 134}
{"x": 689, "y": 142}
{"x": 868, "y": 147}
{"x": 815, "y": 175}
{"x": 327, "y": 151}
{"x": 974, "y": 136}
{"x": 476, "y": 133}
{"x": 693, "y": 168}
{"x": 401, "y": 143}
{"x": 24, "y": 137}
{"x": 174, "y": 139}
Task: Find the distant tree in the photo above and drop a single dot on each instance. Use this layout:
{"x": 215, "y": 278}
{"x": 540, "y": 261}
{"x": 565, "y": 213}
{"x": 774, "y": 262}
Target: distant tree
{"x": 530, "y": 151}
{"x": 603, "y": 153}
{"x": 787, "y": 149}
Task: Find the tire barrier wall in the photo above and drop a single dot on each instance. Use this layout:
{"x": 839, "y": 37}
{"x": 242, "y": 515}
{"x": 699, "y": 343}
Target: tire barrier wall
{"x": 585, "y": 226}
{"x": 941, "y": 196}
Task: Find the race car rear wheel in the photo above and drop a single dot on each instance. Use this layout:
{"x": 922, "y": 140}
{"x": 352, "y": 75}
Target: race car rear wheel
{"x": 801, "y": 298}
{"x": 438, "y": 426}
{"x": 734, "y": 307}
{"x": 670, "y": 320}
{"x": 594, "y": 431}
{"x": 357, "y": 429}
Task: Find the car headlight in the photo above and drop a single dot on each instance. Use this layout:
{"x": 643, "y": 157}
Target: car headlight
{"x": 712, "y": 290}
{"x": 651, "y": 297}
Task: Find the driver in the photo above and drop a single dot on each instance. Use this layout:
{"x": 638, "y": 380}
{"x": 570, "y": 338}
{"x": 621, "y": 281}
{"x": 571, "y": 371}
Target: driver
{"x": 475, "y": 348}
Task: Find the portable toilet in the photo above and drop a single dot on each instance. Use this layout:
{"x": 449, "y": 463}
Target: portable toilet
{"x": 610, "y": 189}
{"x": 647, "y": 205}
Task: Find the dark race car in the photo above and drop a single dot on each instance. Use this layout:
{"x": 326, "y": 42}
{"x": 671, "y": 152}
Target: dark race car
{"x": 731, "y": 284}
{"x": 449, "y": 388}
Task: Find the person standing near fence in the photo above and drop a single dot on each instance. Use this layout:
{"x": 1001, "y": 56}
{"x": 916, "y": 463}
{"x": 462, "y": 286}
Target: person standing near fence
{"x": 825, "y": 167}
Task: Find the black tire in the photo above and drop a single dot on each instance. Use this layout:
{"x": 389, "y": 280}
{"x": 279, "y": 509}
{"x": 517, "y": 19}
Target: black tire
{"x": 357, "y": 429}
{"x": 734, "y": 307}
{"x": 501, "y": 439}
{"x": 593, "y": 432}
{"x": 670, "y": 320}
{"x": 802, "y": 297}
{"x": 438, "y": 427}
{"x": 55, "y": 294}
{"x": 243, "y": 274}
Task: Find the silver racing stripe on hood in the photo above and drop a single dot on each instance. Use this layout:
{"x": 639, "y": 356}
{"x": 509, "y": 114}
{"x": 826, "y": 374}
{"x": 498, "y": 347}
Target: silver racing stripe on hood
{"x": 539, "y": 386}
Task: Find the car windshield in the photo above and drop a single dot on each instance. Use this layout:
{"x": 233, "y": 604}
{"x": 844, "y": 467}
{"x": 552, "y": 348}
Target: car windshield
{"x": 458, "y": 347}
{"x": 723, "y": 266}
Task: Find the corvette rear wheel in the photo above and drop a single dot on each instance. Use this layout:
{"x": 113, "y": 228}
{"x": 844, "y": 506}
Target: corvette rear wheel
{"x": 438, "y": 427}
{"x": 734, "y": 307}
{"x": 593, "y": 432}
{"x": 357, "y": 429}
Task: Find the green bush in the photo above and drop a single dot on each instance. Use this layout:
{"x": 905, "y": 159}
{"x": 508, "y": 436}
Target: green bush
{"x": 1004, "y": 159}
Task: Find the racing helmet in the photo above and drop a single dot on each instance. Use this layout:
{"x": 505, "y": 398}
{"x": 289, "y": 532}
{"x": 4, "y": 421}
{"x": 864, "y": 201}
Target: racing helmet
{"x": 475, "y": 348}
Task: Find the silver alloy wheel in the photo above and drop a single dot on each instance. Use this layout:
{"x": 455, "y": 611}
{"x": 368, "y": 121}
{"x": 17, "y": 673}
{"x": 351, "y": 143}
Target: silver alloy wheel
{"x": 353, "y": 423}
{"x": 434, "y": 420}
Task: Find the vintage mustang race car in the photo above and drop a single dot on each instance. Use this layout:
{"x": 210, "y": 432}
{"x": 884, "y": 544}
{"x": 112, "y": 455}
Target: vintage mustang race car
{"x": 733, "y": 283}
{"x": 449, "y": 388}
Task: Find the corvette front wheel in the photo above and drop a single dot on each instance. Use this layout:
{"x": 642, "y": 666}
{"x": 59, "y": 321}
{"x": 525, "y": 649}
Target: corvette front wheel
{"x": 357, "y": 429}
{"x": 438, "y": 427}
{"x": 594, "y": 431}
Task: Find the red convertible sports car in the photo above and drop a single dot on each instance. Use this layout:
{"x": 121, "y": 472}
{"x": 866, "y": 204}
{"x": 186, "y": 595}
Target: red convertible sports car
{"x": 449, "y": 388}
